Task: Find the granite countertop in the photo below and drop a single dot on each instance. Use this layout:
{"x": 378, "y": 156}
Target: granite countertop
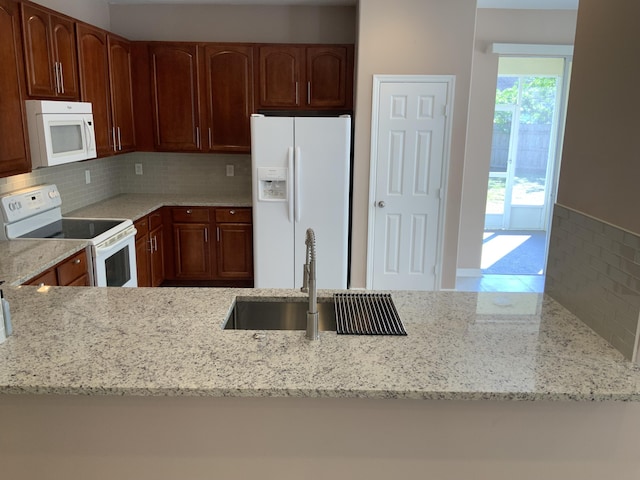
{"x": 170, "y": 342}
{"x": 24, "y": 259}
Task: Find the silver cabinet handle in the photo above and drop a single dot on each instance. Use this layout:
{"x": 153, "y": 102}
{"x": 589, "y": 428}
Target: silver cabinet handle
{"x": 218, "y": 234}
{"x": 209, "y": 138}
{"x": 198, "y": 137}
{"x": 57, "y": 77}
{"x": 297, "y": 96}
{"x": 381, "y": 204}
{"x": 119, "y": 140}
{"x": 155, "y": 243}
{"x": 61, "y": 78}
{"x": 150, "y": 245}
{"x": 308, "y": 93}
{"x": 206, "y": 235}
{"x": 113, "y": 136}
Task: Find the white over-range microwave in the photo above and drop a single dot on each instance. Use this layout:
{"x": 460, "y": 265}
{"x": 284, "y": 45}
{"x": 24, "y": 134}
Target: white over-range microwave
{"x": 60, "y": 132}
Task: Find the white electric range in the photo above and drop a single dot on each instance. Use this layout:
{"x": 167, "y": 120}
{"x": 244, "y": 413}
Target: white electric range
{"x": 35, "y": 213}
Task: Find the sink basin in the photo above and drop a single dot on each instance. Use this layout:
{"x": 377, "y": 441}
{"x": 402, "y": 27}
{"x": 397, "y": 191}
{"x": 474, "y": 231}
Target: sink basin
{"x": 279, "y": 314}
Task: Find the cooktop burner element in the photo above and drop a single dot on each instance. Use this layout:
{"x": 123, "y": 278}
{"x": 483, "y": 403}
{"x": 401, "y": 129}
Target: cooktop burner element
{"x": 73, "y": 228}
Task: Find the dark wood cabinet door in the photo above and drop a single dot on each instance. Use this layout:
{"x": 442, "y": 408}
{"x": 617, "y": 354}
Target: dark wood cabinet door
{"x": 94, "y": 83}
{"x": 64, "y": 52}
{"x": 121, "y": 93}
{"x": 192, "y": 250}
{"x": 42, "y": 72}
{"x": 157, "y": 256}
{"x": 175, "y": 97}
{"x": 229, "y": 97}
{"x": 143, "y": 266}
{"x": 327, "y": 77}
{"x": 50, "y": 53}
{"x": 234, "y": 255}
{"x": 14, "y": 157}
{"x": 280, "y": 74}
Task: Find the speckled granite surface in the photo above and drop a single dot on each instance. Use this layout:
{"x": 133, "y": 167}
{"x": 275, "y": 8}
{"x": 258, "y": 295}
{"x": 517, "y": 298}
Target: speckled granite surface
{"x": 134, "y": 206}
{"x": 170, "y": 341}
{"x": 21, "y": 260}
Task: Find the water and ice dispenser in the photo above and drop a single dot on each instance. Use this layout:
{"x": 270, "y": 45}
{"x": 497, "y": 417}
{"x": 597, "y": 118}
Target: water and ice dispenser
{"x": 272, "y": 184}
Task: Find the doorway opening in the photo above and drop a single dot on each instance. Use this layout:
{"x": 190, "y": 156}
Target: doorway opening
{"x": 528, "y": 127}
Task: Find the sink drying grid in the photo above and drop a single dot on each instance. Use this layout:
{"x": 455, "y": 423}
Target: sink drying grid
{"x": 367, "y": 314}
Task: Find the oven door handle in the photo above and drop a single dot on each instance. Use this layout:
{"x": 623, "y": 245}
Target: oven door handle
{"x": 116, "y": 239}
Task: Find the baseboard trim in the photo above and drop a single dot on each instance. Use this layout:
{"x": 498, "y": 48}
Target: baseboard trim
{"x": 469, "y": 272}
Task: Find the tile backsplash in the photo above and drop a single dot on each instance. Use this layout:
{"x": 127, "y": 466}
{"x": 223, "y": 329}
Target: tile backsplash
{"x": 593, "y": 270}
{"x": 161, "y": 173}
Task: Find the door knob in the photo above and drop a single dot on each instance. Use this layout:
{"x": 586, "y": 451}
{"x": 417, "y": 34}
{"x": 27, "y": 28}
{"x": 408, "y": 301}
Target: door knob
{"x": 381, "y": 204}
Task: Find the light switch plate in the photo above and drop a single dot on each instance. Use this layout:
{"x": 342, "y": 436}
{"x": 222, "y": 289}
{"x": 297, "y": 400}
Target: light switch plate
{"x": 230, "y": 171}
{"x": 87, "y": 176}
{"x": 138, "y": 169}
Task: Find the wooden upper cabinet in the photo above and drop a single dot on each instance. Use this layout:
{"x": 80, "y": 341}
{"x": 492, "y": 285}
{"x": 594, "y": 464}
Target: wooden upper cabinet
{"x": 13, "y": 147}
{"x": 305, "y": 77}
{"x": 93, "y": 64}
{"x": 329, "y": 77}
{"x": 50, "y": 53}
{"x": 229, "y": 97}
{"x": 280, "y": 75}
{"x": 121, "y": 93}
{"x": 175, "y": 96}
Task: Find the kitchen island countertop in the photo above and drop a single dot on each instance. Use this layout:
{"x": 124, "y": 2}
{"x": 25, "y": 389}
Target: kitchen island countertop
{"x": 171, "y": 342}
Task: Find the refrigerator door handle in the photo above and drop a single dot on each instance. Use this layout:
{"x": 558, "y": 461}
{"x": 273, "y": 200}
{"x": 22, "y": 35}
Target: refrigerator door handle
{"x": 298, "y": 157}
{"x": 290, "y": 192}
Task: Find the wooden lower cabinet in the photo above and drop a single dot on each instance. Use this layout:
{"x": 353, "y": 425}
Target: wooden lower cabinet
{"x": 72, "y": 272}
{"x": 234, "y": 243}
{"x": 150, "y": 249}
{"x": 210, "y": 246}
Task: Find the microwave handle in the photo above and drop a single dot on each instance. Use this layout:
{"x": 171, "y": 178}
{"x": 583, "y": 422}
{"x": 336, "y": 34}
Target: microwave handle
{"x": 88, "y": 130}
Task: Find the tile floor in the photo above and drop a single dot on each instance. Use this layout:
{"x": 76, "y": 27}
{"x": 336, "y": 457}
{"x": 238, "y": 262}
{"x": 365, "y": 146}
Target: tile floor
{"x": 512, "y": 261}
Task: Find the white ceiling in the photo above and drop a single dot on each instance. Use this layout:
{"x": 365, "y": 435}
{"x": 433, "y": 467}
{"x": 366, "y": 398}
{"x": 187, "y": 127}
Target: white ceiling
{"x": 523, "y": 4}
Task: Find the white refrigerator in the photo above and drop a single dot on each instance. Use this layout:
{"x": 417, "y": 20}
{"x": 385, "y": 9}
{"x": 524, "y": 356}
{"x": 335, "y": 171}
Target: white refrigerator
{"x": 300, "y": 173}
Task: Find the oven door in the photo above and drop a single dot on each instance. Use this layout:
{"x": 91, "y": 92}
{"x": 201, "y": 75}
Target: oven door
{"x": 115, "y": 261}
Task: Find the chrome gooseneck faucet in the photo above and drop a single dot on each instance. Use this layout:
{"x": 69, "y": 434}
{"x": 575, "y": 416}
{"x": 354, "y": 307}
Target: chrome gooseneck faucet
{"x": 309, "y": 285}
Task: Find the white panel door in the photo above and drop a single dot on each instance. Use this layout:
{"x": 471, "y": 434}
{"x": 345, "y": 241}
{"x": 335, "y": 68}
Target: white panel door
{"x": 409, "y": 174}
{"x": 322, "y": 196}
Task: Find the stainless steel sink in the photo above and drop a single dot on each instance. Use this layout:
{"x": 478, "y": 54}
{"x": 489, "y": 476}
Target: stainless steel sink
{"x": 279, "y": 314}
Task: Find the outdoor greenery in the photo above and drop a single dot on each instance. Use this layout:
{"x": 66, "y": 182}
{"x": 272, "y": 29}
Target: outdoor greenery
{"x": 537, "y": 98}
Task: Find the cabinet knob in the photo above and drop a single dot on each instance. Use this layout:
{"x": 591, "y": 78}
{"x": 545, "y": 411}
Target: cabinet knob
{"x": 76, "y": 261}
{"x": 189, "y": 211}
{"x": 232, "y": 212}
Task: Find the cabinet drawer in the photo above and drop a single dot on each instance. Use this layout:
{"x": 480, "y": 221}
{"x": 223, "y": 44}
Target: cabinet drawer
{"x": 70, "y": 270}
{"x": 142, "y": 227}
{"x": 187, "y": 215}
{"x": 233, "y": 215}
{"x": 155, "y": 220}
{"x": 46, "y": 278}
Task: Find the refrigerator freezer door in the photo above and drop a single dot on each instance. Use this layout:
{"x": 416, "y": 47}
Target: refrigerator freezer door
{"x": 322, "y": 168}
{"x": 273, "y": 227}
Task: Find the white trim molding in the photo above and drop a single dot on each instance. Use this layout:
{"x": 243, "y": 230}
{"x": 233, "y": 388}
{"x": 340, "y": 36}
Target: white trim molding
{"x": 531, "y": 49}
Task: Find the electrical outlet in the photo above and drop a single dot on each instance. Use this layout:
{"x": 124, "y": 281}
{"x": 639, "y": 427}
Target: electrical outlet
{"x": 87, "y": 176}
{"x": 230, "y": 171}
{"x": 138, "y": 169}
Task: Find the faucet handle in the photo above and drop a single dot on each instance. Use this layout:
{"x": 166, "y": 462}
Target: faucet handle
{"x": 305, "y": 278}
